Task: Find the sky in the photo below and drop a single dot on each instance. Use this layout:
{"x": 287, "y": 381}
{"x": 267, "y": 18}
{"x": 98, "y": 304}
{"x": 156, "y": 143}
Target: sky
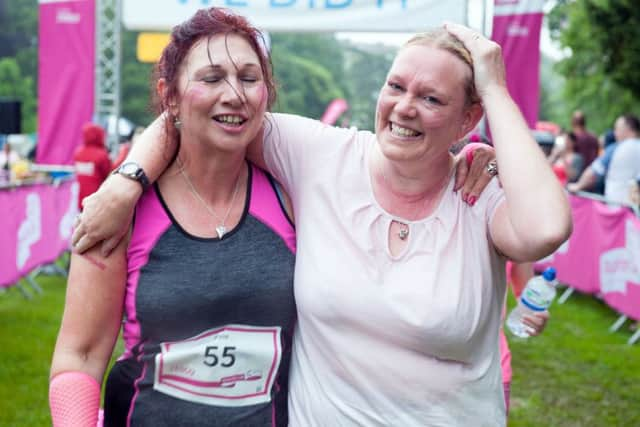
{"x": 547, "y": 46}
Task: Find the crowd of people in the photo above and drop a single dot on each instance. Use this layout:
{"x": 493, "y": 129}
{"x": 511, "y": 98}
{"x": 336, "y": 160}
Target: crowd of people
{"x": 608, "y": 165}
{"x": 615, "y": 172}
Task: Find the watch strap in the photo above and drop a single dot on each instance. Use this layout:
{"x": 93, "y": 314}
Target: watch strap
{"x": 138, "y": 175}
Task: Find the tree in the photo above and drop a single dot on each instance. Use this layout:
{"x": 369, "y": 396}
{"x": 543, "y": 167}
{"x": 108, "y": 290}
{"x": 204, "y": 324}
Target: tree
{"x": 18, "y": 43}
{"x": 603, "y": 71}
{"x": 366, "y": 71}
{"x": 552, "y": 105}
{"x": 135, "y": 83}
{"x": 322, "y": 49}
{"x": 354, "y": 72}
{"x": 15, "y": 86}
{"x": 308, "y": 69}
{"x": 305, "y": 87}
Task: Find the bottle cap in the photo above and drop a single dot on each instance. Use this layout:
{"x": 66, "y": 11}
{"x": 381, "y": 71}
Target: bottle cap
{"x": 549, "y": 274}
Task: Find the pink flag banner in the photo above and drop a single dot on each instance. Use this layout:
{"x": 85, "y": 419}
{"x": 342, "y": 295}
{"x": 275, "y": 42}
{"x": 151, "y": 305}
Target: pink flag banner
{"x": 602, "y": 255}
{"x": 36, "y": 227}
{"x": 516, "y": 27}
{"x": 334, "y": 110}
{"x": 66, "y": 57}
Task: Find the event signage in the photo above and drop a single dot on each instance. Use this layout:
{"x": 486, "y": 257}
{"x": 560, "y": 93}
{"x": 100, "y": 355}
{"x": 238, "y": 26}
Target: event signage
{"x": 303, "y": 15}
{"x": 37, "y": 228}
{"x": 66, "y": 55}
{"x": 516, "y": 28}
{"x": 603, "y": 254}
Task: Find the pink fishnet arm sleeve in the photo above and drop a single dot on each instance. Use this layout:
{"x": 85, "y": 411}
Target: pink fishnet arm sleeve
{"x": 74, "y": 399}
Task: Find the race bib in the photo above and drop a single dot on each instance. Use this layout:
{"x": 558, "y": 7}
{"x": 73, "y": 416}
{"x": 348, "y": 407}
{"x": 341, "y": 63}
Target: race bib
{"x": 234, "y": 365}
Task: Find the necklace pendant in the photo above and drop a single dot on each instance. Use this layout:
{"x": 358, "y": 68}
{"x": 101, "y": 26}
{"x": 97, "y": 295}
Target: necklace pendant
{"x": 403, "y": 233}
{"x": 221, "y": 230}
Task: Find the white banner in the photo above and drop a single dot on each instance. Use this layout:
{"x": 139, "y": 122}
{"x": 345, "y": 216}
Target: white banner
{"x": 303, "y": 15}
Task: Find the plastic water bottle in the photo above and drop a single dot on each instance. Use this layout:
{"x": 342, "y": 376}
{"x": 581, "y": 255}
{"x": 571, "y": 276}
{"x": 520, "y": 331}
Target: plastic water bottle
{"x": 537, "y": 296}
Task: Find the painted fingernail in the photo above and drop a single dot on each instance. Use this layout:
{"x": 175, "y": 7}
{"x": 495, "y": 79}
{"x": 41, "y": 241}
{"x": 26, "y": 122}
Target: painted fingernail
{"x": 472, "y": 200}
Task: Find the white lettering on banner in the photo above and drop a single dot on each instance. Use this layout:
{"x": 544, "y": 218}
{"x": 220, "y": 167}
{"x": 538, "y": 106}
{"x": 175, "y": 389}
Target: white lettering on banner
{"x": 30, "y": 229}
{"x": 632, "y": 239}
{"x": 66, "y": 222}
{"x": 515, "y": 30}
{"x": 311, "y": 4}
{"x": 234, "y": 365}
{"x": 303, "y": 15}
{"x": 66, "y": 16}
{"x": 620, "y": 265}
{"x": 517, "y": 7}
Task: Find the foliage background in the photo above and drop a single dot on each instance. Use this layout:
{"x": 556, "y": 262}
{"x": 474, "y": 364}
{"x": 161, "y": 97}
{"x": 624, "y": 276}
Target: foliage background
{"x": 602, "y": 73}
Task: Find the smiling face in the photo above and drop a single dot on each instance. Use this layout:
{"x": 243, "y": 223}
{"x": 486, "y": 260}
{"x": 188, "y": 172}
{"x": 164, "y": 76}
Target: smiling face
{"x": 222, "y": 93}
{"x": 423, "y": 107}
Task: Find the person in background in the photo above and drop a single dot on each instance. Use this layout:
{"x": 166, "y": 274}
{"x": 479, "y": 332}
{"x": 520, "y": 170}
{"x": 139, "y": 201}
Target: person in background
{"x": 623, "y": 170}
{"x": 8, "y": 156}
{"x": 568, "y": 159}
{"x": 125, "y": 147}
{"x": 606, "y": 139}
{"x": 618, "y": 168}
{"x": 91, "y": 160}
{"x": 9, "y": 161}
{"x": 586, "y": 142}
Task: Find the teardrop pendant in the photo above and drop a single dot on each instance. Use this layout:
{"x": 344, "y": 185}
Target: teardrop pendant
{"x": 221, "y": 230}
{"x": 403, "y": 233}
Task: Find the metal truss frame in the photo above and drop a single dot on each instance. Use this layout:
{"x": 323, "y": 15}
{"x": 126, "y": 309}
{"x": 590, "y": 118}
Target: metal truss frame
{"x": 107, "y": 66}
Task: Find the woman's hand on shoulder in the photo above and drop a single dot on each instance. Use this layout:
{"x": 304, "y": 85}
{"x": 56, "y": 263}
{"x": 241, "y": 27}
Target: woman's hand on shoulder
{"x": 472, "y": 176}
{"x": 106, "y": 215}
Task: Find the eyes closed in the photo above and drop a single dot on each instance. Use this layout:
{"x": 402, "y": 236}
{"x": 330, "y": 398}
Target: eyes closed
{"x": 211, "y": 75}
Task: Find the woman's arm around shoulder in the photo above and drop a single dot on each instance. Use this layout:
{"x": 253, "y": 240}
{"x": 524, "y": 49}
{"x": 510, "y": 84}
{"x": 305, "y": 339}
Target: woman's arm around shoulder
{"x": 107, "y": 213}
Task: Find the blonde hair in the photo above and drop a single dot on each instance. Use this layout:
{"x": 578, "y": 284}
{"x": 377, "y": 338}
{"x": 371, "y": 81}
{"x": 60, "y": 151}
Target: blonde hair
{"x": 440, "y": 38}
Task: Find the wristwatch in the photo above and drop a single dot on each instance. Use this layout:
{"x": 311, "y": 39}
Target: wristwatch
{"x": 133, "y": 171}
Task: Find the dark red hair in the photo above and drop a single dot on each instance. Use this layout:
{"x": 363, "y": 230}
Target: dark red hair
{"x": 206, "y": 23}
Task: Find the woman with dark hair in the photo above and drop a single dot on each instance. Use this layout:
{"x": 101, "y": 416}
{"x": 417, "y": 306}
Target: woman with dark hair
{"x": 205, "y": 276}
{"x": 567, "y": 159}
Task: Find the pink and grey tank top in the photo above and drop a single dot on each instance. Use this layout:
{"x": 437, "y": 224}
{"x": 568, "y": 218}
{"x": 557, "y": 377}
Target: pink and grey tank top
{"x": 209, "y": 322}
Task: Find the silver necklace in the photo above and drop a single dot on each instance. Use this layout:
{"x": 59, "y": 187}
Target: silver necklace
{"x": 221, "y": 229}
{"x": 403, "y": 233}
{"x": 404, "y": 230}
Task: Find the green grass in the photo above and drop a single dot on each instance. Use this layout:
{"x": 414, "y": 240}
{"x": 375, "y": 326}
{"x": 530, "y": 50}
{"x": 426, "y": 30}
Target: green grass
{"x": 28, "y": 329}
{"x": 575, "y": 374}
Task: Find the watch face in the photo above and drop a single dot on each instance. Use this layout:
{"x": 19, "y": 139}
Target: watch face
{"x": 129, "y": 168}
